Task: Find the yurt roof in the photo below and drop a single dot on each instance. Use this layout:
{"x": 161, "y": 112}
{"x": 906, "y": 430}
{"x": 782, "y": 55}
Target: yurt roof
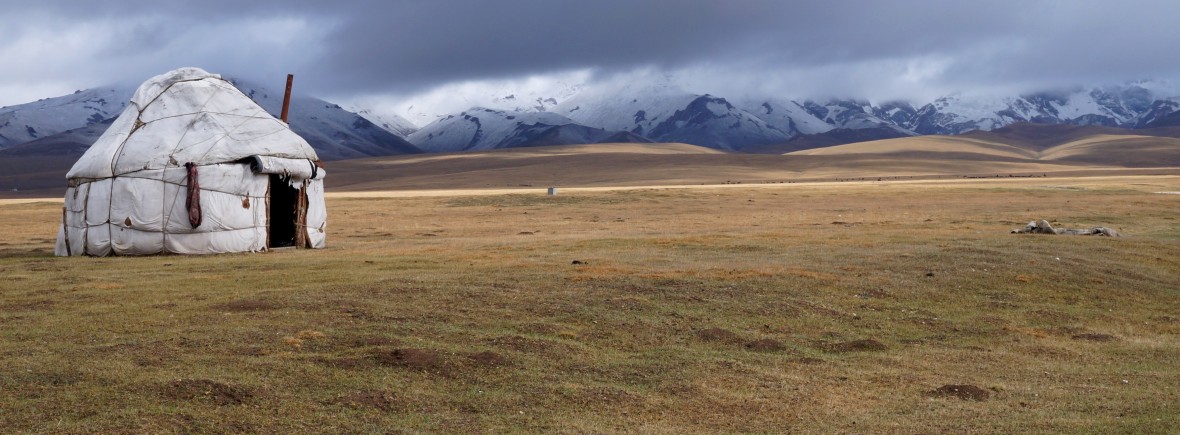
{"x": 187, "y": 115}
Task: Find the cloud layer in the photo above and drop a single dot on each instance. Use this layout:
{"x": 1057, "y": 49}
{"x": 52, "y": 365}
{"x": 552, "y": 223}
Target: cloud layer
{"x": 351, "y": 49}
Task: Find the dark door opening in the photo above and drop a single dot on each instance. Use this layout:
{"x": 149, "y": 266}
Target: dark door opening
{"x": 282, "y": 212}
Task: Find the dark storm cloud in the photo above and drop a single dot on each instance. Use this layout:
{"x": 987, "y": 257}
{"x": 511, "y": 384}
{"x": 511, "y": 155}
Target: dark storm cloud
{"x": 832, "y": 47}
{"x": 418, "y": 43}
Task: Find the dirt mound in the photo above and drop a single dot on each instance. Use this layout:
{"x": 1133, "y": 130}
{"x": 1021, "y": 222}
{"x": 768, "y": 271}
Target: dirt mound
{"x": 416, "y": 359}
{"x": 381, "y": 400}
{"x": 218, "y": 393}
{"x": 1093, "y": 336}
{"x": 855, "y": 346}
{"x": 765, "y": 345}
{"x": 489, "y": 359}
{"x": 964, "y": 392}
{"x": 717, "y": 334}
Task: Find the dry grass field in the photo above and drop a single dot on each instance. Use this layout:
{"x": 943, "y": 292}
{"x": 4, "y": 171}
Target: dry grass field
{"x": 923, "y": 157}
{"x": 827, "y": 307}
{"x": 1097, "y": 149}
{"x": 1014, "y": 151}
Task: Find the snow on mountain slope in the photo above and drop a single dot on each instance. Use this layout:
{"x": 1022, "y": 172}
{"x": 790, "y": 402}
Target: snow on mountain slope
{"x": 634, "y": 107}
{"x": 26, "y": 122}
{"x": 714, "y": 122}
{"x": 899, "y": 113}
{"x": 534, "y": 94}
{"x": 785, "y": 115}
{"x": 1114, "y": 106}
{"x": 646, "y": 108}
{"x": 954, "y": 114}
{"x": 1155, "y": 114}
{"x": 332, "y": 131}
{"x": 480, "y": 129}
{"x": 335, "y": 133}
{"x": 391, "y": 122}
{"x": 850, "y": 114}
{"x": 1097, "y": 106}
{"x": 662, "y": 112}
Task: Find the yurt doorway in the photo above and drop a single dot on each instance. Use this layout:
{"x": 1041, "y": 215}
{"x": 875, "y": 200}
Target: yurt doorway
{"x": 283, "y": 213}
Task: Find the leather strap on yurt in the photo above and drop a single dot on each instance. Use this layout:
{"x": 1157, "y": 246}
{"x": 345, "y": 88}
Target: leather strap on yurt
{"x": 192, "y": 201}
{"x": 66, "y": 228}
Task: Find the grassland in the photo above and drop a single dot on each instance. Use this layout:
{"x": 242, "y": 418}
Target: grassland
{"x": 806, "y": 308}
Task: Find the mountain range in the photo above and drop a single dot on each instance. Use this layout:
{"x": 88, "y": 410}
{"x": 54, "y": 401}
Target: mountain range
{"x": 662, "y": 112}
{"x": 641, "y": 111}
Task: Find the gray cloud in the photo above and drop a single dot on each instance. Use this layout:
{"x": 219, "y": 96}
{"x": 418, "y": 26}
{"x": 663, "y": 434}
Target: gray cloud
{"x": 887, "y": 49}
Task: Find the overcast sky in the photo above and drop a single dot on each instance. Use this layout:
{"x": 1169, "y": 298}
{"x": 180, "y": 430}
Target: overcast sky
{"x": 400, "y": 50}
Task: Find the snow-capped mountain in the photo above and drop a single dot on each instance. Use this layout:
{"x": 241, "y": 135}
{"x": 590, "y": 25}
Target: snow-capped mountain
{"x": 664, "y": 113}
{"x": 505, "y": 97}
{"x": 26, "y": 122}
{"x": 1128, "y": 106}
{"x": 1157, "y": 112}
{"x": 899, "y": 113}
{"x": 335, "y": 133}
{"x": 659, "y": 110}
{"x": 391, "y": 122}
{"x": 850, "y": 114}
{"x": 332, "y": 131}
{"x": 955, "y": 115}
{"x": 786, "y": 115}
{"x": 644, "y": 109}
{"x": 485, "y": 129}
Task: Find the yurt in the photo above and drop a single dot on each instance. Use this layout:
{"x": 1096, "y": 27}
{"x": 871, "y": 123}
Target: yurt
{"x": 193, "y": 166}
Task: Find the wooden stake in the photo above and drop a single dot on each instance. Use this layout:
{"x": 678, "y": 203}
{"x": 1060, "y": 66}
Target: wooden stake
{"x": 287, "y": 98}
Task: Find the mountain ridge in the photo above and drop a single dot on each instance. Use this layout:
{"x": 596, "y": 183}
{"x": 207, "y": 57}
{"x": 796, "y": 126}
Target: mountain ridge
{"x": 656, "y": 110}
{"x": 334, "y": 132}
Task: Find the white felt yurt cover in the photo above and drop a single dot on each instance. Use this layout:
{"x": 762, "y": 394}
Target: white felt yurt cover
{"x": 127, "y": 193}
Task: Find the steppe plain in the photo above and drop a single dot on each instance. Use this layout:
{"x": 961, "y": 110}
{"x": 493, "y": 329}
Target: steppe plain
{"x": 658, "y": 291}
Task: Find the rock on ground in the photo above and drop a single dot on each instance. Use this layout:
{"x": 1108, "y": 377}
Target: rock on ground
{"x": 1043, "y": 227}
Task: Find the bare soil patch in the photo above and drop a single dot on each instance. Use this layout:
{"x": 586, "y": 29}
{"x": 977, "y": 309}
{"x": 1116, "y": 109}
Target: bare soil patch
{"x": 525, "y": 344}
{"x": 414, "y": 359}
{"x": 717, "y": 334}
{"x": 765, "y": 345}
{"x": 214, "y": 392}
{"x": 488, "y": 359}
{"x": 1093, "y": 336}
{"x": 964, "y": 392}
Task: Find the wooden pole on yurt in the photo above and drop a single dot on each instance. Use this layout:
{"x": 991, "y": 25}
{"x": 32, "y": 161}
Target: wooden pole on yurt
{"x": 287, "y": 98}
